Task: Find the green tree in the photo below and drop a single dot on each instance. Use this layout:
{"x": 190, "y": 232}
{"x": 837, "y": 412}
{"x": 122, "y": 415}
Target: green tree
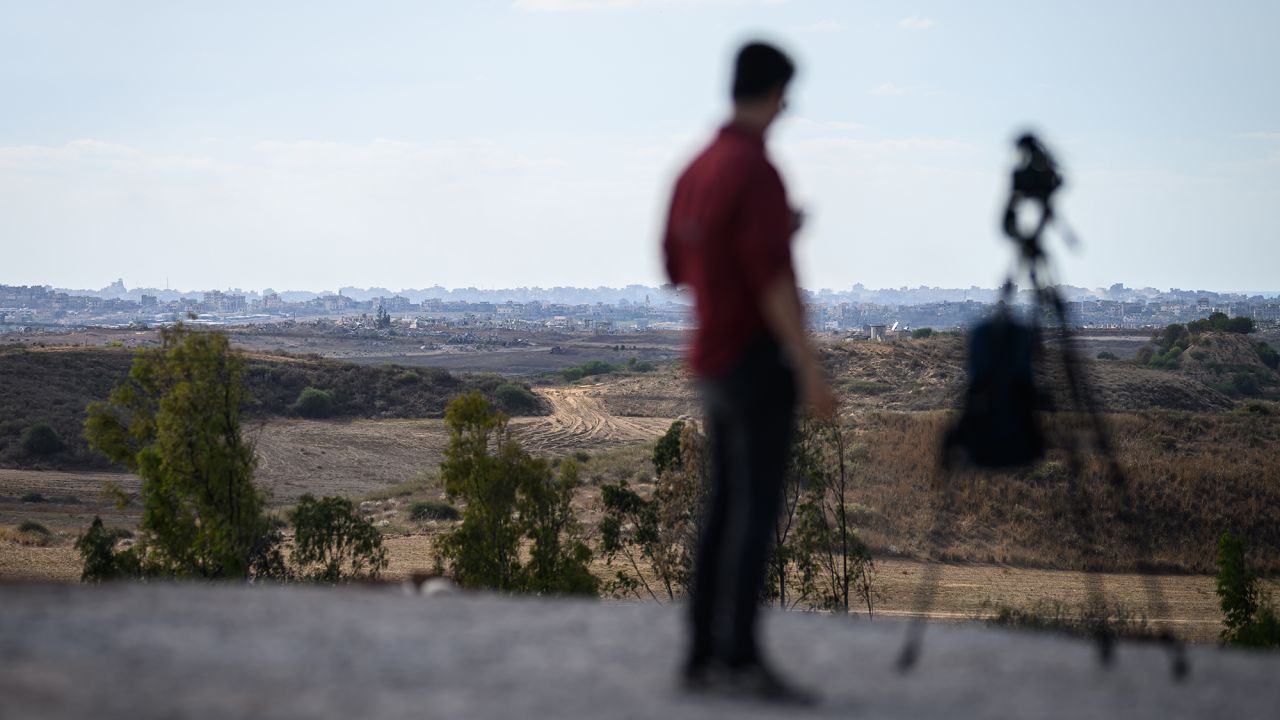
{"x": 1248, "y": 618}
{"x": 99, "y": 558}
{"x": 666, "y": 452}
{"x": 509, "y": 496}
{"x": 176, "y": 423}
{"x": 41, "y": 439}
{"x": 558, "y": 557}
{"x": 382, "y": 320}
{"x": 332, "y": 542}
{"x": 662, "y": 530}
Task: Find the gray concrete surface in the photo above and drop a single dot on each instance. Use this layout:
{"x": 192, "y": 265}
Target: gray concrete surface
{"x": 190, "y": 651}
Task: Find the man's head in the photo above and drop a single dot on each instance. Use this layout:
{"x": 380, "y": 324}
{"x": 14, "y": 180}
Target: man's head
{"x": 760, "y": 79}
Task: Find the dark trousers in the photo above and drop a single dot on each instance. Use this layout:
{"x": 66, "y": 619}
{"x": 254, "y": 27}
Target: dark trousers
{"x": 751, "y": 417}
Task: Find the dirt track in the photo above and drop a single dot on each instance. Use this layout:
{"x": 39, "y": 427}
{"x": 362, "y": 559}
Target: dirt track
{"x": 579, "y": 420}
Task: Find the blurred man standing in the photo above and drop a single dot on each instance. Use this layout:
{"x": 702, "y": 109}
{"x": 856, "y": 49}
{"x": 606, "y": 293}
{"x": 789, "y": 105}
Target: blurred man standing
{"x": 728, "y": 237}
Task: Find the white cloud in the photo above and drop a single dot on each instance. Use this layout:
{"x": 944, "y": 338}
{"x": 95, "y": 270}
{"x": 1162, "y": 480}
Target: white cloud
{"x": 888, "y": 90}
{"x": 916, "y": 22}
{"x": 1261, "y": 135}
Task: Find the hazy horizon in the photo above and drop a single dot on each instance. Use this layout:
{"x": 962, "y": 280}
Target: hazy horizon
{"x": 533, "y": 143}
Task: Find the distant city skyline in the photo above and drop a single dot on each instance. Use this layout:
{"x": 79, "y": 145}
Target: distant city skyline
{"x": 502, "y": 143}
{"x": 370, "y": 291}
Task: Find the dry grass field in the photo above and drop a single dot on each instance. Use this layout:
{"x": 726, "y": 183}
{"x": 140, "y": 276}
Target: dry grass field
{"x": 1196, "y": 466}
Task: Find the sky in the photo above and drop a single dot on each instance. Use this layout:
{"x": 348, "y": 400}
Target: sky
{"x": 310, "y": 145}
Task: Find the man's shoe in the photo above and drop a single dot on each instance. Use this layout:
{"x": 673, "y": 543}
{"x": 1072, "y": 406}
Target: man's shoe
{"x": 757, "y": 680}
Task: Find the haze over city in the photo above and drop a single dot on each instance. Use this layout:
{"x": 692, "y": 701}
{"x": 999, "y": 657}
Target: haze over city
{"x": 514, "y": 144}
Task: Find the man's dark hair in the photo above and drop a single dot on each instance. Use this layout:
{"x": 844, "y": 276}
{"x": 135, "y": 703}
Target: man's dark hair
{"x": 761, "y": 68}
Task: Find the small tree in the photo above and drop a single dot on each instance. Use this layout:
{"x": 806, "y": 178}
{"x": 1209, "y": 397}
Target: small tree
{"x": 558, "y": 558}
{"x": 1248, "y": 618}
{"x": 332, "y": 542}
{"x": 666, "y": 452}
{"x": 382, "y": 320}
{"x": 99, "y": 558}
{"x": 509, "y": 495}
{"x": 314, "y": 403}
{"x": 663, "y": 530}
{"x": 176, "y": 423}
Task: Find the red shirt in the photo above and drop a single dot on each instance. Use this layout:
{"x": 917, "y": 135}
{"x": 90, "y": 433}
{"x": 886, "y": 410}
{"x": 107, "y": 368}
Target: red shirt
{"x": 728, "y": 237}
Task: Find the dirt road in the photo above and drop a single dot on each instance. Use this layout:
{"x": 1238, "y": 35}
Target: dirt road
{"x": 579, "y": 420}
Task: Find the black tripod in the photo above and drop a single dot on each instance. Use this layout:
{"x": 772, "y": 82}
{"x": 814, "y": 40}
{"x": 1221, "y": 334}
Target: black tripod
{"x": 999, "y": 428}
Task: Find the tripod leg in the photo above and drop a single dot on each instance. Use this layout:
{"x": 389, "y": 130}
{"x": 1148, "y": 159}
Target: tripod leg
{"x": 941, "y": 529}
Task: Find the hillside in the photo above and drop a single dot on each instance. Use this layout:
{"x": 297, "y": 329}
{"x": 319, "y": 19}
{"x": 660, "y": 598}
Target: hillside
{"x": 53, "y": 385}
{"x": 929, "y": 375}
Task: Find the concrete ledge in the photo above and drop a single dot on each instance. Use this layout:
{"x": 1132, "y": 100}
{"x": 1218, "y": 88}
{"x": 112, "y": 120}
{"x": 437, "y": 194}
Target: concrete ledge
{"x": 198, "y": 651}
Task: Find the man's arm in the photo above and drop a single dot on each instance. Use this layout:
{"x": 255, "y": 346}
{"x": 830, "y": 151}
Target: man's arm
{"x": 784, "y": 315}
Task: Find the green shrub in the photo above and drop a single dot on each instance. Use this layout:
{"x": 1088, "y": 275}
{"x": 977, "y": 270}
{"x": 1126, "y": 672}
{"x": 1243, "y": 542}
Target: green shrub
{"x": 1219, "y": 322}
{"x": 314, "y": 403}
{"x": 638, "y": 365}
{"x": 582, "y": 456}
{"x": 921, "y": 333}
{"x": 516, "y": 399}
{"x": 332, "y": 542}
{"x": 432, "y": 510}
{"x": 40, "y": 439}
{"x": 1107, "y": 355}
{"x": 31, "y": 526}
{"x": 99, "y": 558}
{"x": 1248, "y": 616}
{"x": 1245, "y": 384}
{"x": 34, "y": 497}
{"x": 1268, "y": 355}
{"x": 587, "y": 369}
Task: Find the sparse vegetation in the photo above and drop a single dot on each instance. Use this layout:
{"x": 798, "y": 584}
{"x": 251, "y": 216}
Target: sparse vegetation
{"x": 333, "y": 543}
{"x": 1089, "y": 619}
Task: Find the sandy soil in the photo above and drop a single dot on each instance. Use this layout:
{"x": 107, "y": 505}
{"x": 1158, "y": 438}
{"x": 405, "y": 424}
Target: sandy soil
{"x": 579, "y": 420}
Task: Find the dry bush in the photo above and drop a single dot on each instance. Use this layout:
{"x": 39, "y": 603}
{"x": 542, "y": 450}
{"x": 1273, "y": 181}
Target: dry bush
{"x": 1190, "y": 476}
{"x": 30, "y": 538}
